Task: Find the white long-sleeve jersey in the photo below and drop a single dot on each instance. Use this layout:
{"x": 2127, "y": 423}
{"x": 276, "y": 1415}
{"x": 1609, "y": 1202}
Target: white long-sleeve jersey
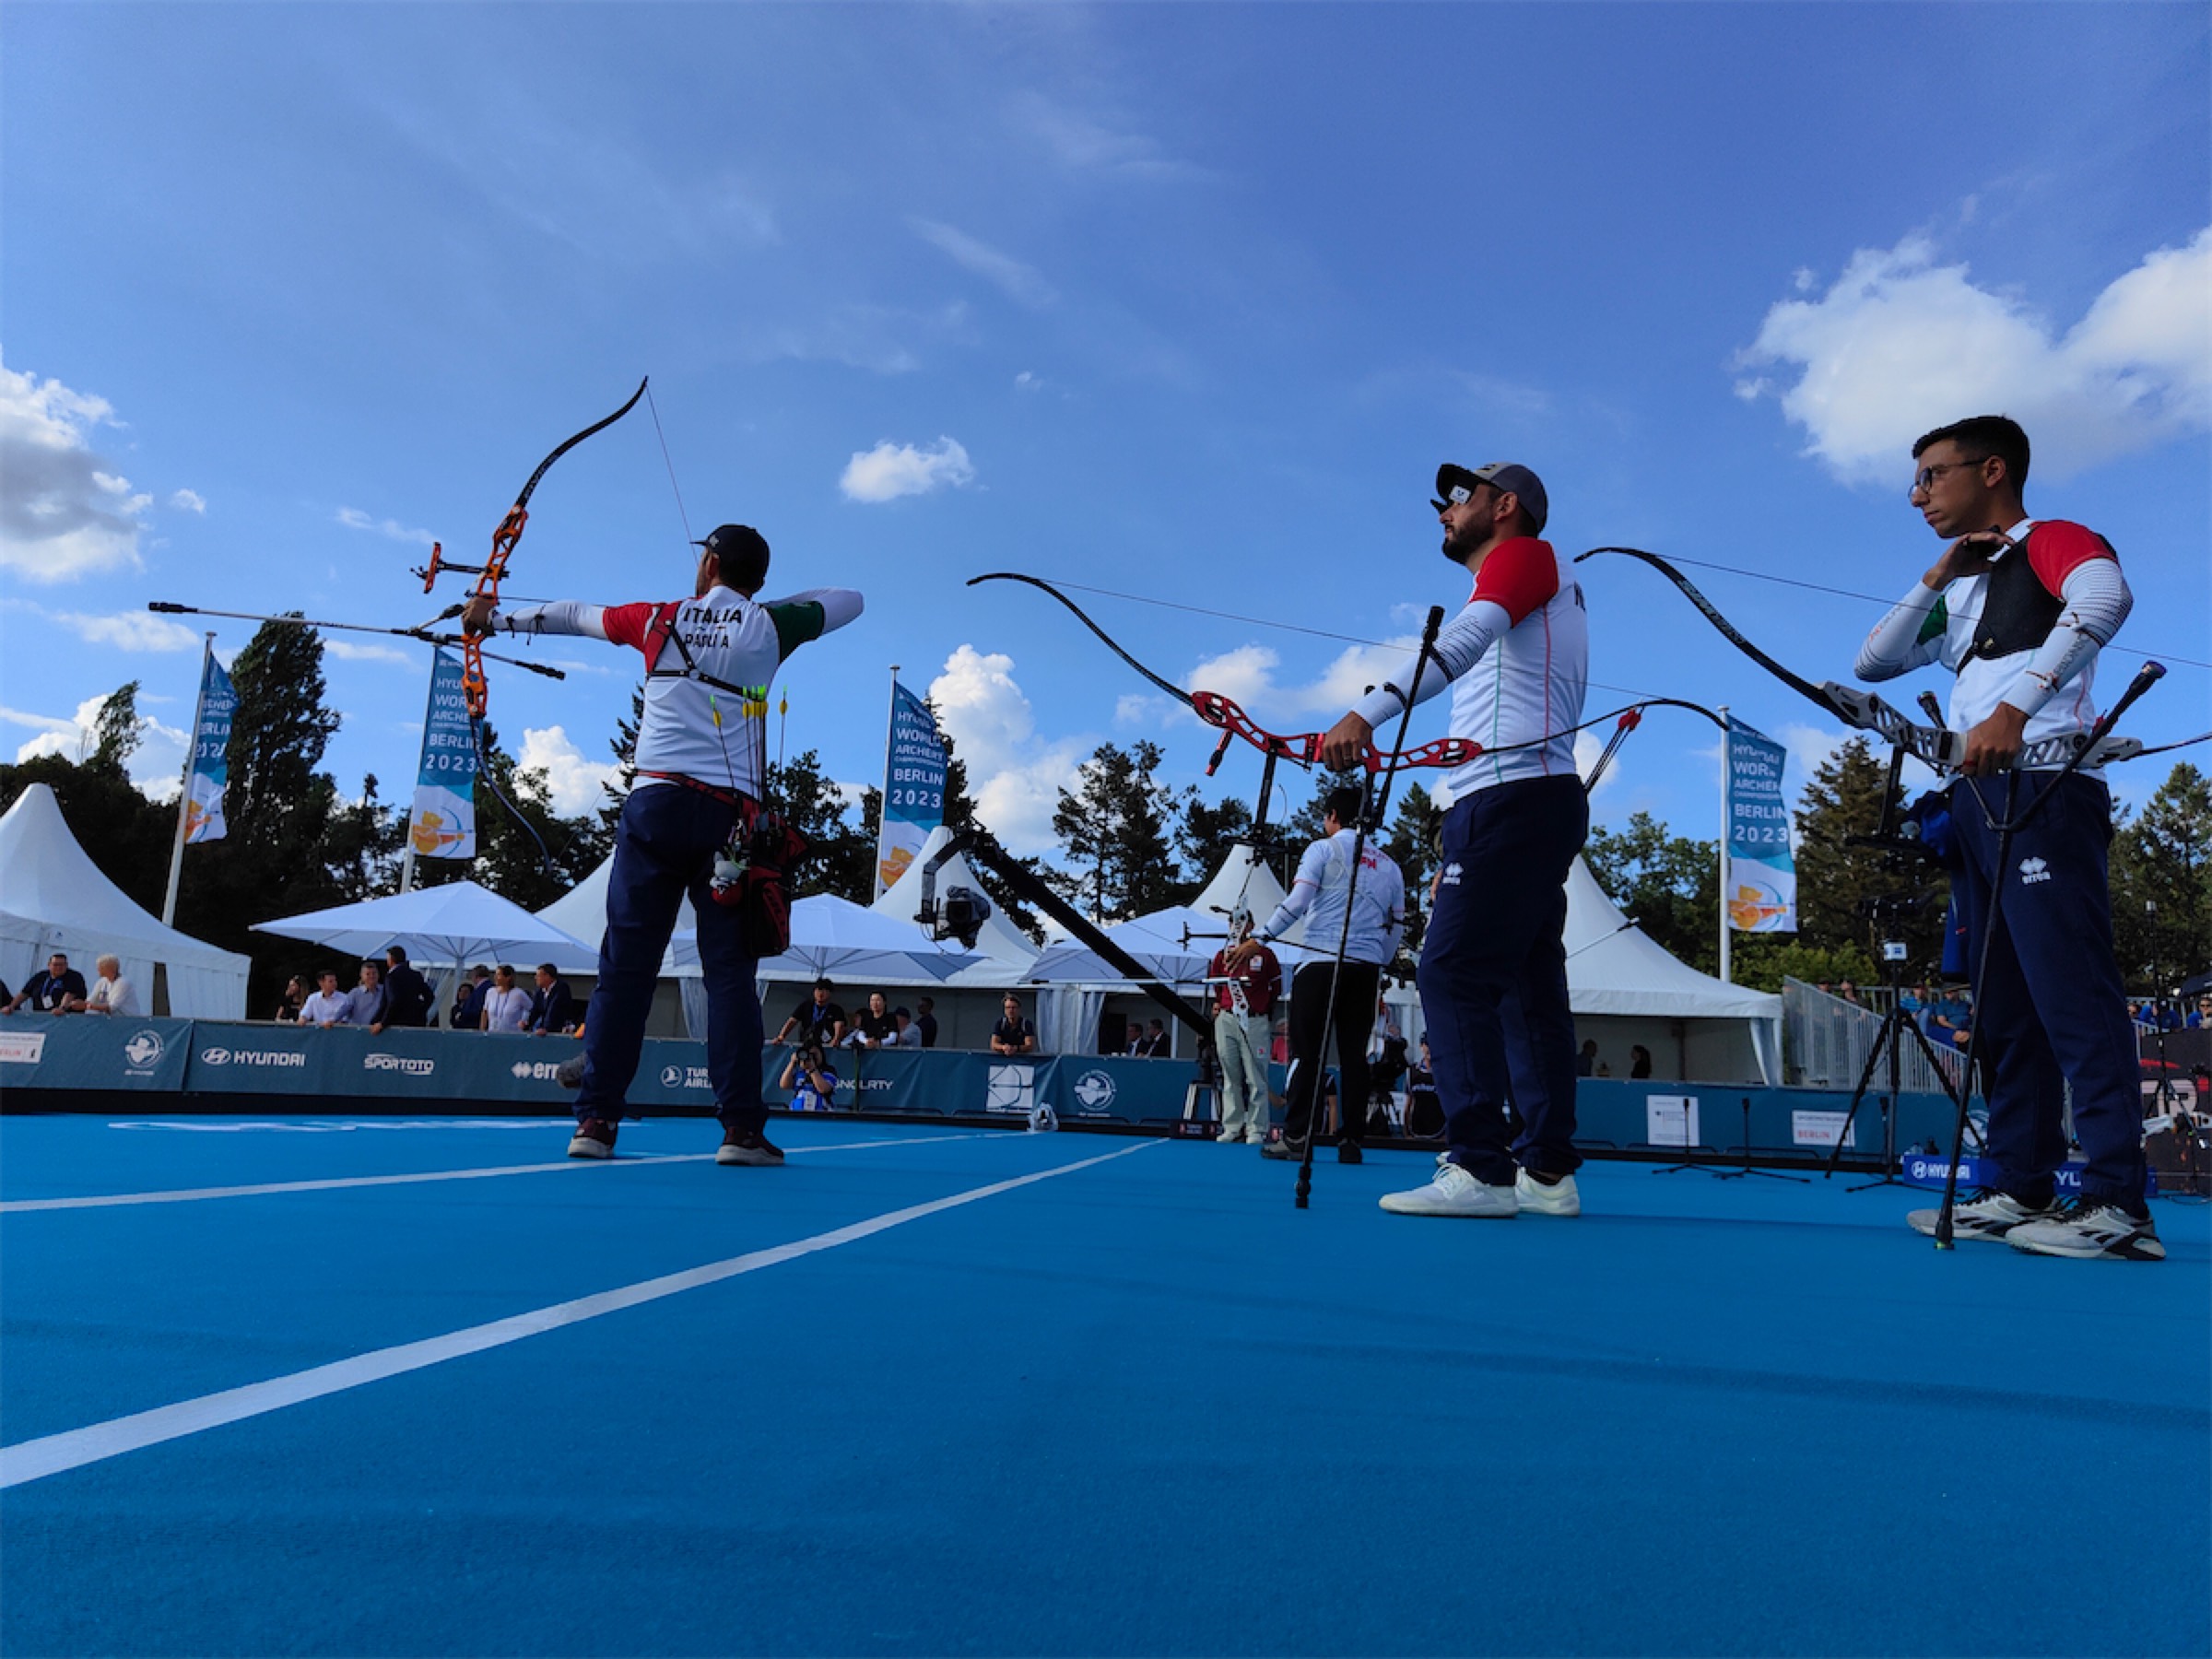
{"x": 693, "y": 726}
{"x": 1318, "y": 892}
{"x": 2049, "y": 683}
{"x": 1517, "y": 658}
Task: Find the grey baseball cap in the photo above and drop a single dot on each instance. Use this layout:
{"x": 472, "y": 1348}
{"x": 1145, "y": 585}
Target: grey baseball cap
{"x": 1508, "y": 475}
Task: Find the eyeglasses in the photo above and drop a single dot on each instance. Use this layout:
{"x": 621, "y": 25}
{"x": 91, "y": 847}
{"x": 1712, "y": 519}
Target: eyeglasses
{"x": 1924, "y": 479}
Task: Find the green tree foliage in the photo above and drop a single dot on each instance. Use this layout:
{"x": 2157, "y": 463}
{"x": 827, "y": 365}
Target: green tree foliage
{"x": 1837, "y": 882}
{"x": 117, "y": 728}
{"x": 959, "y": 814}
{"x": 1205, "y": 837}
{"x": 842, "y": 859}
{"x": 126, "y": 836}
{"x": 1415, "y": 840}
{"x": 1114, "y": 828}
{"x": 1668, "y": 884}
{"x": 2162, "y": 875}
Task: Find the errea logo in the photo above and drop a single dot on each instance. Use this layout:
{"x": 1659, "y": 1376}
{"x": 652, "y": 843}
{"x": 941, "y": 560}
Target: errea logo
{"x": 2033, "y": 870}
{"x": 1451, "y": 876}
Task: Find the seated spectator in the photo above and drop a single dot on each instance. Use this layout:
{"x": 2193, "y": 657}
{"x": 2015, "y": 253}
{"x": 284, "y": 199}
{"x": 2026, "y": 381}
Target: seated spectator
{"x": 51, "y": 992}
{"x": 112, "y": 994}
{"x": 1013, "y": 1034}
{"x": 926, "y": 1020}
{"x": 468, "y": 1002}
{"x": 506, "y": 1005}
{"x": 407, "y": 998}
{"x": 810, "y": 1077}
{"x": 2200, "y": 1016}
{"x": 875, "y": 1027}
{"x": 329, "y": 1006}
{"x": 365, "y": 1002}
{"x": 1639, "y": 1061}
{"x": 553, "y": 1009}
{"x": 1153, "y": 1043}
{"x": 1946, "y": 1015}
{"x": 1914, "y": 1001}
{"x": 909, "y": 1034}
{"x": 294, "y": 998}
{"x": 817, "y": 1020}
{"x": 1585, "y": 1063}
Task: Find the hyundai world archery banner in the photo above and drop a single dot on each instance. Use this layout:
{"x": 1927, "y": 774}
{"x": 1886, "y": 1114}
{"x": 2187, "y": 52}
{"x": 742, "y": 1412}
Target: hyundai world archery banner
{"x": 210, "y": 757}
{"x": 913, "y": 786}
{"x": 1762, "y": 875}
{"x": 443, "y": 824}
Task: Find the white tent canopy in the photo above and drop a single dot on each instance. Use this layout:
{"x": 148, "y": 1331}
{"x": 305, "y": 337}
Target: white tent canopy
{"x": 458, "y": 922}
{"x": 582, "y": 913}
{"x": 53, "y": 898}
{"x": 1176, "y": 944}
{"x": 829, "y": 935}
{"x": 1000, "y": 943}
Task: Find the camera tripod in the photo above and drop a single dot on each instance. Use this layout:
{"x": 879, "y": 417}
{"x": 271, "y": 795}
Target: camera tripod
{"x": 1889, "y": 1042}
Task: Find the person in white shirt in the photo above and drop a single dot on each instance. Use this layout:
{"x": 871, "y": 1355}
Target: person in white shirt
{"x": 328, "y": 1006}
{"x": 506, "y": 1005}
{"x": 1320, "y": 891}
{"x": 909, "y": 1034}
{"x": 701, "y": 773}
{"x": 112, "y": 994}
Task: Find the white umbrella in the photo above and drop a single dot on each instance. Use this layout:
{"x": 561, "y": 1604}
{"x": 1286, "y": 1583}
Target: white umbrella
{"x": 829, "y": 935}
{"x": 457, "y": 922}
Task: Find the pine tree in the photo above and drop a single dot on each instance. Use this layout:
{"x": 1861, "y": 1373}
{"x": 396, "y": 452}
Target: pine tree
{"x": 2161, "y": 876}
{"x": 1114, "y": 829}
{"x": 117, "y": 728}
{"x": 1415, "y": 843}
{"x": 1837, "y": 882}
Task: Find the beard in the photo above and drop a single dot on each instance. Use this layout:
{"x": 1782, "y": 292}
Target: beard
{"x": 1456, "y": 549}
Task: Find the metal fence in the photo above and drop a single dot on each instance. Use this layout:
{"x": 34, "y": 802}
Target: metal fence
{"x": 1826, "y": 1041}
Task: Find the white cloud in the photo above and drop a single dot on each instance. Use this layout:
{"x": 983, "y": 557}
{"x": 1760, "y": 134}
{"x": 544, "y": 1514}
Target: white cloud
{"x": 1247, "y": 677}
{"x": 353, "y": 518}
{"x": 63, "y": 513}
{"x": 1021, "y": 282}
{"x": 157, "y": 766}
{"x": 573, "y": 785}
{"x": 189, "y": 501}
{"x": 348, "y": 650}
{"x": 1078, "y": 142}
{"x": 123, "y": 630}
{"x": 1027, "y": 381}
{"x": 891, "y": 470}
{"x": 1898, "y": 345}
{"x": 1015, "y": 777}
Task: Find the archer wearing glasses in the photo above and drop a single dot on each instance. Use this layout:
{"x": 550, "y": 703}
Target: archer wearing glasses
{"x": 2018, "y": 609}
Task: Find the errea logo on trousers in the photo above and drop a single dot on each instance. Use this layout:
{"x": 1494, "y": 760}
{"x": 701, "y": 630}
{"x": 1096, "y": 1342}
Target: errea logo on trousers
{"x": 2033, "y": 870}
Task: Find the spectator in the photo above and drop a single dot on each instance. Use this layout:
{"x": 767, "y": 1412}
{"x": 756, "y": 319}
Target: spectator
{"x": 1847, "y": 991}
{"x": 926, "y": 1020}
{"x": 1133, "y": 1042}
{"x": 293, "y": 999}
{"x": 1639, "y": 1061}
{"x": 1825, "y": 987}
{"x": 1946, "y": 1017}
{"x": 2200, "y": 1016}
{"x": 407, "y": 999}
{"x": 908, "y": 1035}
{"x": 817, "y": 1020}
{"x": 506, "y": 1005}
{"x": 468, "y": 1003}
{"x": 1585, "y": 1063}
{"x": 365, "y": 1002}
{"x": 51, "y": 992}
{"x": 876, "y": 1027}
{"x": 1605, "y": 1068}
{"x": 112, "y": 993}
{"x": 1153, "y": 1045}
{"x": 1013, "y": 1034}
{"x": 807, "y": 1074}
{"x": 328, "y": 1006}
{"x": 553, "y": 1008}
{"x": 1914, "y": 1001}
{"x": 1424, "y": 1106}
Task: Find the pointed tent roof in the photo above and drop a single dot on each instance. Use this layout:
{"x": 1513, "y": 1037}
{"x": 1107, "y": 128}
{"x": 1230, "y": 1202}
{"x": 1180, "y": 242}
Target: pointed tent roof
{"x": 54, "y": 898}
{"x": 581, "y": 912}
{"x": 1614, "y": 967}
{"x": 1157, "y": 940}
{"x": 1000, "y": 941}
{"x": 458, "y": 922}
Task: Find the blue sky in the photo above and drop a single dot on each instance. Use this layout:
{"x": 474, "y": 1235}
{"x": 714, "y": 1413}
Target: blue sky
{"x": 1181, "y": 302}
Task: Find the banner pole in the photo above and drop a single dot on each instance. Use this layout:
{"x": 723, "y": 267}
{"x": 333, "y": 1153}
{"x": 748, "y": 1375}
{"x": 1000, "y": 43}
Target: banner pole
{"x": 1727, "y": 828}
{"x": 191, "y": 749}
{"x": 883, "y": 802}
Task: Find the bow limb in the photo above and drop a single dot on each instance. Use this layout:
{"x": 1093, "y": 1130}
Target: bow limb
{"x": 1727, "y": 629}
{"x": 1173, "y": 690}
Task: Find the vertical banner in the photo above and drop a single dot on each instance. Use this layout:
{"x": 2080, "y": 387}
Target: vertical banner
{"x": 1762, "y": 875}
{"x": 443, "y": 824}
{"x": 210, "y": 757}
{"x": 913, "y": 786}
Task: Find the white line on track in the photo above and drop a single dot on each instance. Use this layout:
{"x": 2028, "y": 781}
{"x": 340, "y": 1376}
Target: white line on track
{"x": 35, "y": 1459}
{"x": 193, "y": 1194}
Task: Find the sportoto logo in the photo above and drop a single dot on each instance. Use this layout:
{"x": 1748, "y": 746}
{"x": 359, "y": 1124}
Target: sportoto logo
{"x": 1095, "y": 1091}
{"x": 143, "y": 1048}
{"x": 404, "y": 1065}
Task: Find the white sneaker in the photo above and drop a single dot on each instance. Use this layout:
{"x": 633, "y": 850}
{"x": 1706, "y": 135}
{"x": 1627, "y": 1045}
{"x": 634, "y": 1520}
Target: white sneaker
{"x": 2091, "y": 1230}
{"x": 1454, "y": 1192}
{"x": 1989, "y": 1217}
{"x": 1559, "y": 1198}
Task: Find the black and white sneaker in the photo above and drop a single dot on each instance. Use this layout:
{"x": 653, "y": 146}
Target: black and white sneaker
{"x": 1989, "y": 1217}
{"x": 2093, "y": 1230}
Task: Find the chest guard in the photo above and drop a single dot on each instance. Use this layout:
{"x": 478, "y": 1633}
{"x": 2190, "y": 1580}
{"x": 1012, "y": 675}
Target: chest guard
{"x": 2017, "y": 610}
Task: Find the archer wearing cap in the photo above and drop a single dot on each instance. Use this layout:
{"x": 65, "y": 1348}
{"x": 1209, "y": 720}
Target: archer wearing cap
{"x": 702, "y": 771}
{"x": 1517, "y": 659}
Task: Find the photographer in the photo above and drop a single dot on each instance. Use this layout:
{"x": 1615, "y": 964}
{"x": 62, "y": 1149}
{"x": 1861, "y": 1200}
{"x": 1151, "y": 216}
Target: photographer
{"x": 808, "y": 1075}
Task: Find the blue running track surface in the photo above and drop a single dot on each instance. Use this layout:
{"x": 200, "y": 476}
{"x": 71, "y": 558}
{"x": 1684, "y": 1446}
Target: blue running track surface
{"x": 930, "y": 1391}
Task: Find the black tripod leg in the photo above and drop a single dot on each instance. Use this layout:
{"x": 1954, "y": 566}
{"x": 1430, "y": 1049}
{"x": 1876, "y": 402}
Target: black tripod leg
{"x": 1881, "y": 1039}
